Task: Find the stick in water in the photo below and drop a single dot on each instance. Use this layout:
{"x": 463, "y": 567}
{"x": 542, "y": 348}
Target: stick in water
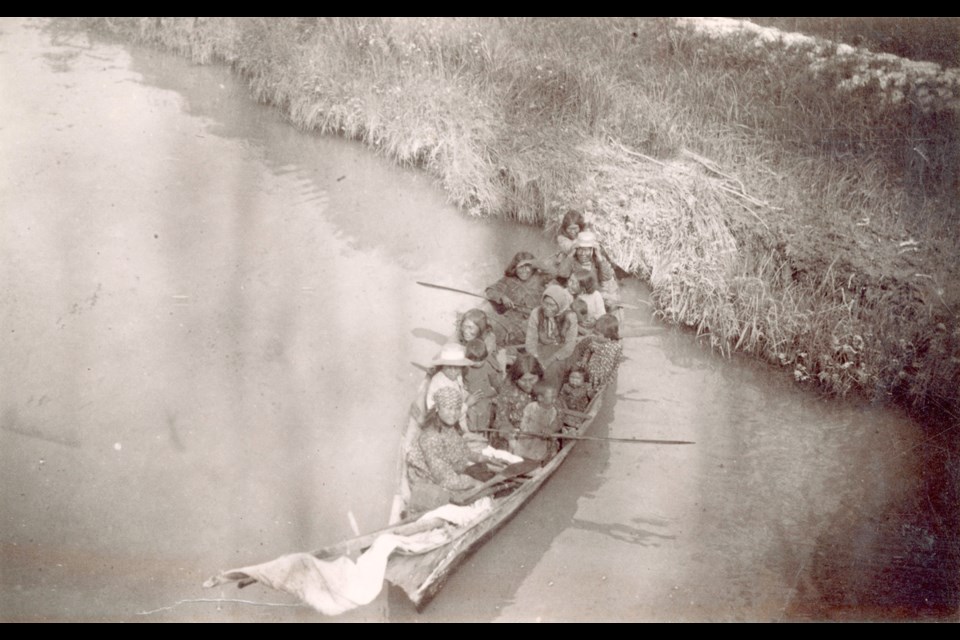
{"x": 560, "y": 436}
{"x": 353, "y": 523}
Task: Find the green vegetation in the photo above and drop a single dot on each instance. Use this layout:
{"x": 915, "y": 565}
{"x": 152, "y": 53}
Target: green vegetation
{"x": 793, "y": 201}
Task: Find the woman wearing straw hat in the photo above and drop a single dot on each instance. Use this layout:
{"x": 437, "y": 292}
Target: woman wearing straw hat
{"x": 587, "y": 254}
{"x": 447, "y": 372}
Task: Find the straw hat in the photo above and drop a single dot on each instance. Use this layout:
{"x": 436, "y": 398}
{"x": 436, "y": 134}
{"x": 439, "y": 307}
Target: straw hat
{"x": 452, "y": 354}
{"x": 586, "y": 239}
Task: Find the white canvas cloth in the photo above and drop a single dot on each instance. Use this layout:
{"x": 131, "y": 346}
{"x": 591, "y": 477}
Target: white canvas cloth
{"x": 335, "y": 586}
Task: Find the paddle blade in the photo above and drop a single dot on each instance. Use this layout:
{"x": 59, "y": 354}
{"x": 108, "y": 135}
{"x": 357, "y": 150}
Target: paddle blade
{"x": 518, "y": 468}
{"x": 510, "y": 471}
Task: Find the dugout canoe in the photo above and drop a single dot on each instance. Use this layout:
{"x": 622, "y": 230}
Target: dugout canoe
{"x": 421, "y": 576}
{"x": 440, "y": 545}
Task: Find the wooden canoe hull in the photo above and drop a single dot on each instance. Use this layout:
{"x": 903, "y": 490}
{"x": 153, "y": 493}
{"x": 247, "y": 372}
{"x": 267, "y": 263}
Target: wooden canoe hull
{"x": 421, "y": 576}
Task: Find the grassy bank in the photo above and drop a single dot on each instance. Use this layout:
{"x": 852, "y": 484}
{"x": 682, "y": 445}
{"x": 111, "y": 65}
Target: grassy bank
{"x": 920, "y": 38}
{"x": 797, "y": 202}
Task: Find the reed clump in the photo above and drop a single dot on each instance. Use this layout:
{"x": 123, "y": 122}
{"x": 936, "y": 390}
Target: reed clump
{"x": 790, "y": 198}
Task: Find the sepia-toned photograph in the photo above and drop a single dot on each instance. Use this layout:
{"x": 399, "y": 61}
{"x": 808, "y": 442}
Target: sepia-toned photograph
{"x": 479, "y": 319}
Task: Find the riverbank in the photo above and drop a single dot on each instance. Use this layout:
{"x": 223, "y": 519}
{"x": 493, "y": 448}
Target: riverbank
{"x": 763, "y": 201}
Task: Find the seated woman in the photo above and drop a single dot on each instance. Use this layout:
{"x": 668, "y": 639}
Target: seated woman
{"x": 586, "y": 254}
{"x": 570, "y": 227}
{"x": 514, "y": 295}
{"x": 515, "y": 394}
{"x": 473, "y": 325}
{"x": 447, "y": 370}
{"x": 552, "y": 332}
{"x": 438, "y": 459}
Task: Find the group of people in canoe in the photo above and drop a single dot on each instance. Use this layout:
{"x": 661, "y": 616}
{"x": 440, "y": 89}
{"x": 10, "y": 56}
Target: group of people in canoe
{"x": 514, "y": 378}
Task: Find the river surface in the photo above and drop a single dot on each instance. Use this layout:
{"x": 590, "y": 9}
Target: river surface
{"x": 208, "y": 324}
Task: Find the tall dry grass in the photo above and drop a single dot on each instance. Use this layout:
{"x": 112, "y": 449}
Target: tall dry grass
{"x": 766, "y": 207}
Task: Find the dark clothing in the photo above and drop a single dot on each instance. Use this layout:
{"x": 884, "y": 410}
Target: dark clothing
{"x": 485, "y": 378}
{"x": 537, "y": 420}
{"x": 575, "y": 398}
{"x": 510, "y": 404}
{"x": 552, "y": 341}
{"x": 510, "y": 325}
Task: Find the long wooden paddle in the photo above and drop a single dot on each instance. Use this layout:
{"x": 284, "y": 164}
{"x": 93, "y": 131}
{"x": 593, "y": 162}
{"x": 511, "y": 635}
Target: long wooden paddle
{"x": 618, "y": 305}
{"x": 510, "y": 471}
{"x": 560, "y": 436}
{"x": 468, "y": 293}
{"x": 440, "y": 286}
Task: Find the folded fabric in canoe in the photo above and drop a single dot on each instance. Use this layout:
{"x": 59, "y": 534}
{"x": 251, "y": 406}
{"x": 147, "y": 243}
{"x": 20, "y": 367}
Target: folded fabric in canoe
{"x": 335, "y": 586}
{"x": 500, "y": 454}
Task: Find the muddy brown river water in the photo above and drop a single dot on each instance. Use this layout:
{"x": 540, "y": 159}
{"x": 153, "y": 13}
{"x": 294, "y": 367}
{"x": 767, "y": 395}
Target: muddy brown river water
{"x": 207, "y": 324}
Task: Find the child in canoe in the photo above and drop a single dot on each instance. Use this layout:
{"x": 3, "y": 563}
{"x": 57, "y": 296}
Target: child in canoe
{"x": 540, "y": 419}
{"x": 482, "y": 379}
{"x": 600, "y": 354}
{"x": 587, "y": 292}
{"x": 574, "y": 394}
{"x": 447, "y": 370}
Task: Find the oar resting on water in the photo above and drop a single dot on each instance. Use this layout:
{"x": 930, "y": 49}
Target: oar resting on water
{"x": 560, "y": 436}
{"x": 613, "y": 307}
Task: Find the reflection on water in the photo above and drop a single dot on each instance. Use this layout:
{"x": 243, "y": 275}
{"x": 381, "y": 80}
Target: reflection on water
{"x": 642, "y": 536}
{"x": 208, "y": 325}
